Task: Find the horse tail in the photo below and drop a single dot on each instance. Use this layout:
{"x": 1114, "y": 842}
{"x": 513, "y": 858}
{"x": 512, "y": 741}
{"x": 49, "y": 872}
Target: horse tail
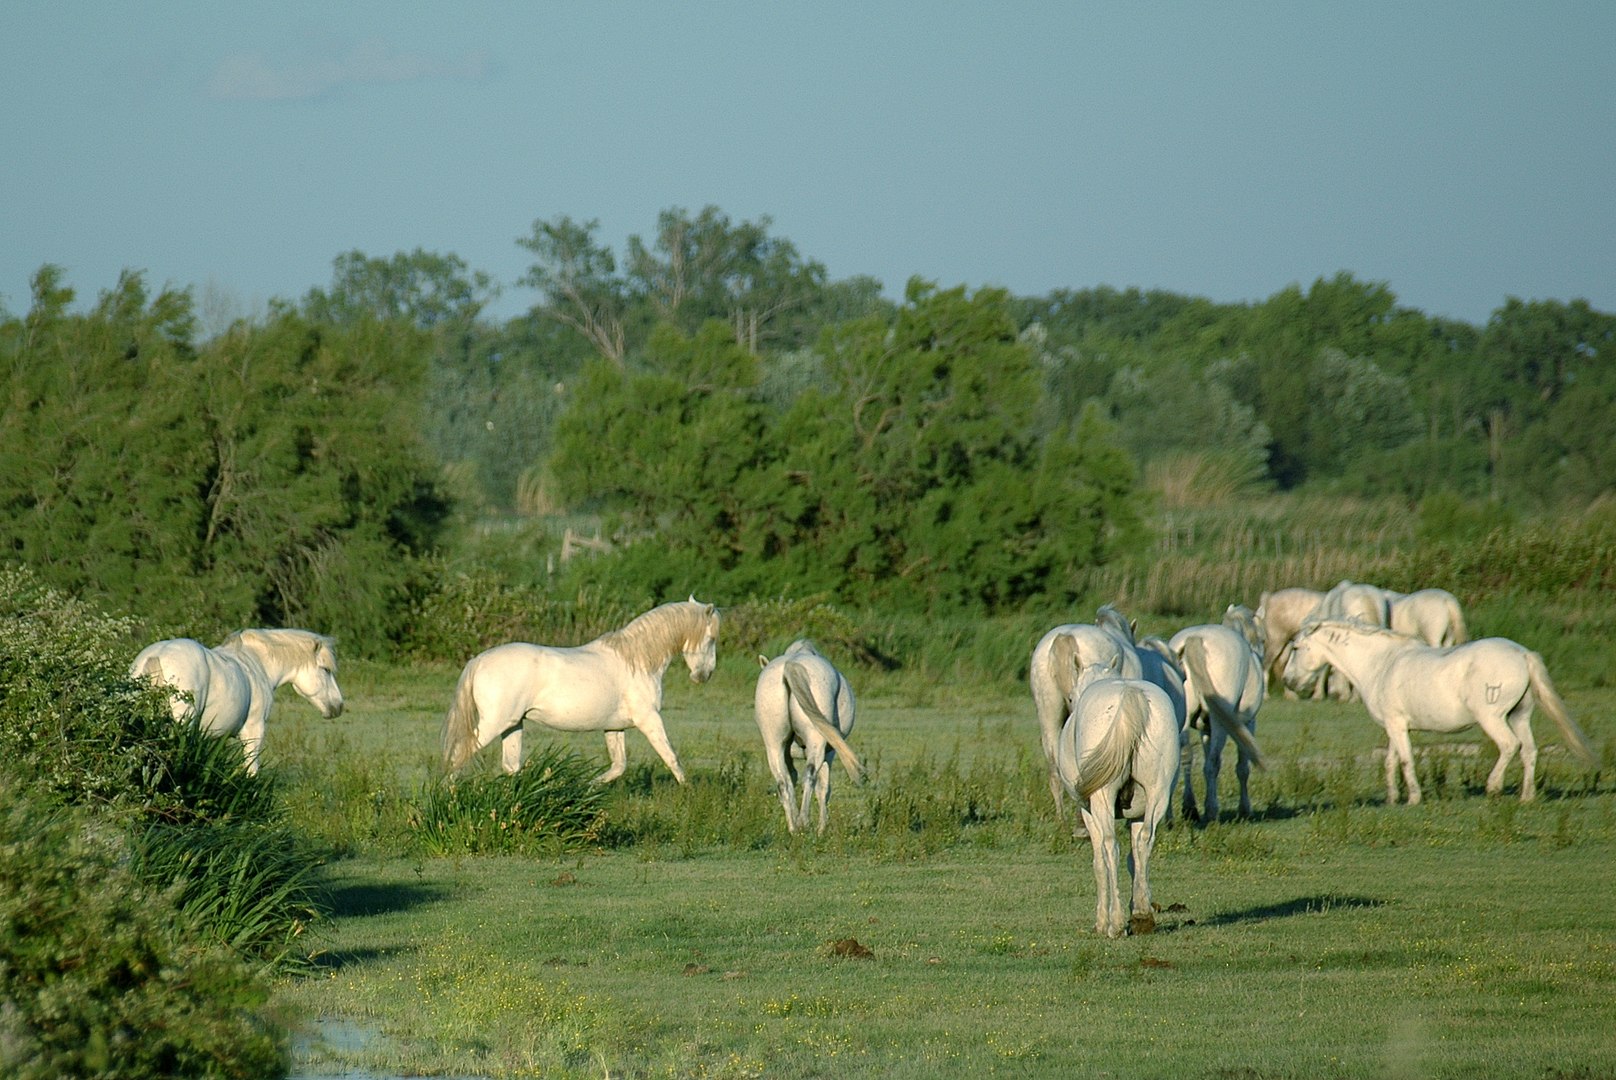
{"x": 1555, "y": 706}
{"x": 1109, "y": 760}
{"x": 460, "y": 725}
{"x": 1456, "y": 624}
{"x": 1221, "y": 712}
{"x": 797, "y": 682}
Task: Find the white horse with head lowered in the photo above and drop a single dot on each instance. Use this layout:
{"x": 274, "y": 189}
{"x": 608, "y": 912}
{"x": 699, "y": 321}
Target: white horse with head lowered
{"x": 610, "y": 684}
{"x": 1281, "y": 613}
{"x": 1118, "y": 755}
{"x": 1408, "y": 685}
{"x": 802, "y": 700}
{"x": 228, "y": 690}
{"x": 1224, "y": 686}
{"x": 1058, "y": 659}
{"x": 1432, "y": 615}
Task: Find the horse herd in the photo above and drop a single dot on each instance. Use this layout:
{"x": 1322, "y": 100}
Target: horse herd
{"x": 1119, "y": 716}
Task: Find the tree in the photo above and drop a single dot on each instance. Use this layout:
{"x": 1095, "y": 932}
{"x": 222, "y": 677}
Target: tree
{"x": 423, "y": 288}
{"x": 576, "y": 278}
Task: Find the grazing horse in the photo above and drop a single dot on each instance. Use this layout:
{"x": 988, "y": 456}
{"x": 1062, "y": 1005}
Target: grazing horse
{"x": 610, "y": 684}
{"x": 228, "y": 690}
{"x": 1408, "y": 685}
{"x": 1118, "y": 755}
{"x": 1224, "y": 686}
{"x": 802, "y": 700}
{"x": 1432, "y": 615}
{"x": 1060, "y": 656}
{"x": 1280, "y": 614}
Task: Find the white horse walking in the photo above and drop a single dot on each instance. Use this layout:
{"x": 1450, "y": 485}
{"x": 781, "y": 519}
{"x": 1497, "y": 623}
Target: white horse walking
{"x": 1058, "y": 659}
{"x": 1408, "y": 685}
{"x": 228, "y": 690}
{"x": 1118, "y": 754}
{"x": 610, "y": 684}
{"x": 802, "y": 700}
{"x": 1224, "y": 686}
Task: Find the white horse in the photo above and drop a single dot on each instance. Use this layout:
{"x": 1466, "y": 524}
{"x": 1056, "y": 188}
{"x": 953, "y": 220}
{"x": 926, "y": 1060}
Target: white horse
{"x": 1280, "y": 614}
{"x": 228, "y": 690}
{"x": 610, "y": 684}
{"x": 1224, "y": 685}
{"x": 1406, "y": 684}
{"x": 1060, "y": 656}
{"x": 1432, "y": 615}
{"x": 802, "y": 700}
{"x": 1118, "y": 754}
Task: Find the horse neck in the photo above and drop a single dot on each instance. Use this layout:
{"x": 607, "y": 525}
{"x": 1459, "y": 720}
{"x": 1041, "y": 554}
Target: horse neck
{"x": 252, "y": 652}
{"x": 651, "y": 641}
{"x": 1362, "y": 652}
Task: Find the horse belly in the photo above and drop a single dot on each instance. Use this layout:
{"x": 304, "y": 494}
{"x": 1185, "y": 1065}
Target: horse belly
{"x": 562, "y": 689}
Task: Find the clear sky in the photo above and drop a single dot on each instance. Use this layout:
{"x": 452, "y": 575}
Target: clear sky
{"x": 1461, "y": 152}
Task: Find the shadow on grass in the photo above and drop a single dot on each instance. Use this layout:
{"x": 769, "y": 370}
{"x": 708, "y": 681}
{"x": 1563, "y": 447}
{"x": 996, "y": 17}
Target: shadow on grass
{"x": 360, "y": 901}
{"x": 1302, "y": 905}
{"x": 327, "y": 963}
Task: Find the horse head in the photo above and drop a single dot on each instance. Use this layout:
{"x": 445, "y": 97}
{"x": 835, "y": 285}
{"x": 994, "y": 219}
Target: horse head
{"x": 701, "y": 647}
{"x": 316, "y": 678}
{"x": 1306, "y": 659}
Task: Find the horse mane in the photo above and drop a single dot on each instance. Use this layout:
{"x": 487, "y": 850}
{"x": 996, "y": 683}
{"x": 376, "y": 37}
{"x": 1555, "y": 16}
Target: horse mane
{"x": 651, "y": 639}
{"x": 291, "y": 648}
{"x": 1108, "y": 614}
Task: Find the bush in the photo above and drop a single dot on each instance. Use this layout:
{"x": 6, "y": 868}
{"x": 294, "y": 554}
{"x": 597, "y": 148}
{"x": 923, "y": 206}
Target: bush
{"x": 98, "y": 976}
{"x": 551, "y": 804}
{"x": 76, "y": 730}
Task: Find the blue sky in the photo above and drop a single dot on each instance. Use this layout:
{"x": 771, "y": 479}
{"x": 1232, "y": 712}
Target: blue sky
{"x": 1460, "y": 152}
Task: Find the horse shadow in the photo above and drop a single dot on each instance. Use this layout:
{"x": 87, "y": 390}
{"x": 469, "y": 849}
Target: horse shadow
{"x": 1318, "y": 904}
{"x": 364, "y": 900}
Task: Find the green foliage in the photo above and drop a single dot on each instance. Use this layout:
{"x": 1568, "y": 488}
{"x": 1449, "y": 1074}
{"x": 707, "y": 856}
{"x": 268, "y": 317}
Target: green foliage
{"x": 551, "y": 804}
{"x": 914, "y": 478}
{"x": 99, "y": 975}
{"x": 251, "y": 887}
{"x": 269, "y": 477}
{"x": 75, "y": 729}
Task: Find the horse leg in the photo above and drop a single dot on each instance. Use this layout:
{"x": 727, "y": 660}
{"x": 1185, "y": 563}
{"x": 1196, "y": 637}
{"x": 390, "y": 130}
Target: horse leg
{"x": 779, "y": 758}
{"x": 617, "y": 750}
{"x": 822, "y": 790}
{"x": 1499, "y": 732}
{"x": 810, "y": 777}
{"x": 1213, "y": 753}
{"x": 252, "y": 741}
{"x": 1520, "y": 722}
{"x": 510, "y": 749}
{"x": 1186, "y": 758}
{"x": 1242, "y": 769}
{"x": 1400, "y": 752}
{"x": 651, "y": 727}
{"x": 1141, "y": 838}
{"x": 1102, "y": 831}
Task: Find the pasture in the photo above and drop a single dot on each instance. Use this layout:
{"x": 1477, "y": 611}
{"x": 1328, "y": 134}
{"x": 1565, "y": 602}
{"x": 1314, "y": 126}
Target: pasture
{"x": 943, "y": 925}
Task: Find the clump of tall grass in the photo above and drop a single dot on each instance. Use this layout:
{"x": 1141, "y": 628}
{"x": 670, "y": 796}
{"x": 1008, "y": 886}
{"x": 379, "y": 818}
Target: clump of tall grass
{"x": 551, "y": 804}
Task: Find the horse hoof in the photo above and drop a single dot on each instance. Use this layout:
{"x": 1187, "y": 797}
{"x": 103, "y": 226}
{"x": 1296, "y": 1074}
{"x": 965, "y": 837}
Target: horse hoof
{"x": 1144, "y": 923}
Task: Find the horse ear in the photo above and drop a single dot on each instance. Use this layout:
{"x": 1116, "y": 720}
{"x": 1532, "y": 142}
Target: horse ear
{"x": 763, "y": 661}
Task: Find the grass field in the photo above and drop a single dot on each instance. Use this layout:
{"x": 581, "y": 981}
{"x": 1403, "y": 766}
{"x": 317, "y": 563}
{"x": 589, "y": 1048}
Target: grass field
{"x": 944, "y": 925}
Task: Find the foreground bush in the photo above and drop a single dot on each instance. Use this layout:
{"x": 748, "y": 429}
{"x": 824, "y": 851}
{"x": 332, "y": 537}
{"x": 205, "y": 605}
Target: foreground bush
{"x": 551, "y": 804}
{"x": 75, "y": 730}
{"x": 98, "y": 974}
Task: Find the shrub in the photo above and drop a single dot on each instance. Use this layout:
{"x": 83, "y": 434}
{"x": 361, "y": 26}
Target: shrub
{"x": 98, "y": 976}
{"x": 551, "y": 804}
{"x": 75, "y": 729}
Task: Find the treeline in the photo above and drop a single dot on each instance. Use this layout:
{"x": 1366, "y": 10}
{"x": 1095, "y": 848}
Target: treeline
{"x": 739, "y": 422}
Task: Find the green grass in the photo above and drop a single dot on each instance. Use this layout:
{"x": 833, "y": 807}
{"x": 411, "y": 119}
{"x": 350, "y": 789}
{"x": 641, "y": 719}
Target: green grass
{"x": 1334, "y": 936}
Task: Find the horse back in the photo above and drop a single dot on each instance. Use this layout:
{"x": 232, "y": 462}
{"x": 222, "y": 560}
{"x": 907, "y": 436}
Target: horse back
{"x": 574, "y": 688}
